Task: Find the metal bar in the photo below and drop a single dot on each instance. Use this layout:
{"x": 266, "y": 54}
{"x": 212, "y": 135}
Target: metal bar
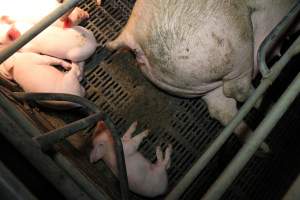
{"x": 108, "y": 122}
{"x": 57, "y": 97}
{"x": 52, "y": 137}
{"x": 252, "y": 144}
{"x": 80, "y": 179}
{"x": 294, "y": 192}
{"x": 190, "y": 176}
{"x": 37, "y": 28}
{"x": 11, "y": 187}
{"x": 122, "y": 173}
{"x": 15, "y": 135}
{"x": 274, "y": 37}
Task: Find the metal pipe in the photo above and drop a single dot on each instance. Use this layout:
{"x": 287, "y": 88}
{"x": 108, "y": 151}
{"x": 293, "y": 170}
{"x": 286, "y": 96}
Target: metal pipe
{"x": 294, "y": 191}
{"x": 106, "y": 119}
{"x": 190, "y": 176}
{"x": 56, "y": 97}
{"x": 37, "y": 28}
{"x": 58, "y": 158}
{"x": 15, "y": 135}
{"x": 252, "y": 144}
{"x": 79, "y": 178}
{"x": 122, "y": 173}
{"x": 52, "y": 137}
{"x": 11, "y": 187}
{"x": 270, "y": 41}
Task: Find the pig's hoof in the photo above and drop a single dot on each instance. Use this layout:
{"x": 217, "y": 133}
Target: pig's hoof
{"x": 264, "y": 150}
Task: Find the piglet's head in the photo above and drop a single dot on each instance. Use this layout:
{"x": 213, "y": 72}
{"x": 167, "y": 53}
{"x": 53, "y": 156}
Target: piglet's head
{"x": 101, "y": 140}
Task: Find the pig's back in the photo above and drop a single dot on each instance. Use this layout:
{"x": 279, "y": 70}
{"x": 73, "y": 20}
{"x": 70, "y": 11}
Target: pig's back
{"x": 193, "y": 46}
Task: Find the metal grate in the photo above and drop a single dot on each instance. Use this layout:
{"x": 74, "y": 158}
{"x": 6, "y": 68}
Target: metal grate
{"x": 114, "y": 83}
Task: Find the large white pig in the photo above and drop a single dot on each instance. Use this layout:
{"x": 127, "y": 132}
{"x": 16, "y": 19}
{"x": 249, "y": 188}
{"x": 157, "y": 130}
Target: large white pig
{"x": 202, "y": 47}
{"x": 36, "y": 73}
{"x": 75, "y": 44}
{"x": 144, "y": 178}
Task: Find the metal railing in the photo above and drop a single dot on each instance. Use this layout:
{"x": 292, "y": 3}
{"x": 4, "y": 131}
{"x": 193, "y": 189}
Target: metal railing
{"x": 45, "y": 141}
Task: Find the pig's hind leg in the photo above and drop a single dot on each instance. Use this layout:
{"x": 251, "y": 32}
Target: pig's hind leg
{"x": 224, "y": 110}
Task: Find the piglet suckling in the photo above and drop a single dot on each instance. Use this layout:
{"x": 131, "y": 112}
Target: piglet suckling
{"x": 36, "y": 73}
{"x": 144, "y": 177}
{"x": 75, "y": 44}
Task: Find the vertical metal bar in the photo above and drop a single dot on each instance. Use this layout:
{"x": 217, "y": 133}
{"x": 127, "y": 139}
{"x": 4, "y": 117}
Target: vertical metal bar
{"x": 122, "y": 172}
{"x": 37, "y": 28}
{"x": 252, "y": 144}
{"x": 184, "y": 183}
{"x": 273, "y": 38}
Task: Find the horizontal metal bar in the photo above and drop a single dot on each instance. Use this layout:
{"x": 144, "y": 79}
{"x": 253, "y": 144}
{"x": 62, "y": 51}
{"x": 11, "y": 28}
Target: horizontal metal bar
{"x": 57, "y": 97}
{"x": 190, "y": 176}
{"x": 24, "y": 144}
{"x": 52, "y": 137}
{"x": 270, "y": 41}
{"x": 254, "y": 141}
{"x": 10, "y": 186}
{"x": 37, "y": 28}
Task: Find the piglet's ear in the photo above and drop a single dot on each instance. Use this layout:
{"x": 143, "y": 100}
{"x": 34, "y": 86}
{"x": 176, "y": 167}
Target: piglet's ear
{"x": 13, "y": 33}
{"x": 97, "y": 153}
{"x": 100, "y": 127}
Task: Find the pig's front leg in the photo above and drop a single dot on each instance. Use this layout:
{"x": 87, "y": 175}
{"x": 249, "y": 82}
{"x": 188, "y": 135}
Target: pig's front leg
{"x": 130, "y": 143}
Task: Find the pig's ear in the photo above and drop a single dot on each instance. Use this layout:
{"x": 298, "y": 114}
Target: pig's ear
{"x": 97, "y": 153}
{"x": 13, "y": 33}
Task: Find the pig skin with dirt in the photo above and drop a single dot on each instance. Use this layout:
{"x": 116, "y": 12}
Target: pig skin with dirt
{"x": 144, "y": 178}
{"x": 202, "y": 48}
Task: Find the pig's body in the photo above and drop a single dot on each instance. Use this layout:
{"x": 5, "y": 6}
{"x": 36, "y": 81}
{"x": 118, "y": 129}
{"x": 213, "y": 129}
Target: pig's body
{"x": 35, "y": 73}
{"x": 75, "y": 44}
{"x": 201, "y": 47}
{"x": 144, "y": 178}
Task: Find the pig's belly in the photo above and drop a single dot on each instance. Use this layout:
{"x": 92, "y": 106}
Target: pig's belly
{"x": 178, "y": 86}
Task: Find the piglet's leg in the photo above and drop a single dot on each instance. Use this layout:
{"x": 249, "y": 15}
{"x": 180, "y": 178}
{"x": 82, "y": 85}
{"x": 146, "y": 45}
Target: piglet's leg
{"x": 139, "y": 138}
{"x": 128, "y": 134}
{"x": 166, "y": 161}
{"x": 48, "y": 60}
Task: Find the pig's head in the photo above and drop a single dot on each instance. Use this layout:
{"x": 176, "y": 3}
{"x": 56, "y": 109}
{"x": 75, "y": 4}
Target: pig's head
{"x": 102, "y": 142}
{"x": 8, "y": 34}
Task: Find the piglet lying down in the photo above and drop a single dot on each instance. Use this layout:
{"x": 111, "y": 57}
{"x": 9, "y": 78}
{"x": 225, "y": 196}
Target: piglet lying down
{"x": 144, "y": 178}
{"x": 36, "y": 73}
{"x": 75, "y": 44}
